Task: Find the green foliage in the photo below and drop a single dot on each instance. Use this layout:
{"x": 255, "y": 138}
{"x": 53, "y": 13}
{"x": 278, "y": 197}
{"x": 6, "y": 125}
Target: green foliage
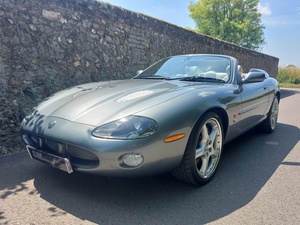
{"x": 288, "y": 77}
{"x": 235, "y": 21}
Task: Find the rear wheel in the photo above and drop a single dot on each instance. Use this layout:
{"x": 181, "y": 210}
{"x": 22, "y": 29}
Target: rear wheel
{"x": 203, "y": 151}
{"x": 269, "y": 124}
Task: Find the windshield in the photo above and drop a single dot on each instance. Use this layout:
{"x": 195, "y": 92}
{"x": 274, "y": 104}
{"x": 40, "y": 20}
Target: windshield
{"x": 197, "y": 67}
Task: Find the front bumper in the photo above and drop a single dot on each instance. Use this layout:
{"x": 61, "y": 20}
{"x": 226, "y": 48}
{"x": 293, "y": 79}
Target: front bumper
{"x": 74, "y": 142}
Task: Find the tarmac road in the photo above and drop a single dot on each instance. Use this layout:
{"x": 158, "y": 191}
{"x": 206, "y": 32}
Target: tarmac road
{"x": 258, "y": 182}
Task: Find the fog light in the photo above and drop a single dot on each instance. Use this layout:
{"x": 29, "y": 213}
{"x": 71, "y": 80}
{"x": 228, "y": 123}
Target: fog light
{"x": 132, "y": 160}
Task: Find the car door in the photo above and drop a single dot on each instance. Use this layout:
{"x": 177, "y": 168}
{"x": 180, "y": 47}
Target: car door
{"x": 254, "y": 101}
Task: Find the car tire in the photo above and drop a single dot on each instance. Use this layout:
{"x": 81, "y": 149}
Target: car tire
{"x": 203, "y": 151}
{"x": 269, "y": 124}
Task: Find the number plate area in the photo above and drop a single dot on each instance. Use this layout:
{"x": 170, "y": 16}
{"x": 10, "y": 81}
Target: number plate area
{"x": 54, "y": 160}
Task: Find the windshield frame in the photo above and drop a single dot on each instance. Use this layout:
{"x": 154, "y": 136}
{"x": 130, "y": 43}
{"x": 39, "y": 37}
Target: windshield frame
{"x": 216, "y": 68}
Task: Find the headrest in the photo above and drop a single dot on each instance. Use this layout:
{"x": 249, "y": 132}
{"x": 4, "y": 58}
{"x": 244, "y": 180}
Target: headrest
{"x": 240, "y": 70}
{"x": 192, "y": 70}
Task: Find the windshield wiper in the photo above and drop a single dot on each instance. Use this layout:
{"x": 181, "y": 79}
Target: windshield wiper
{"x": 202, "y": 79}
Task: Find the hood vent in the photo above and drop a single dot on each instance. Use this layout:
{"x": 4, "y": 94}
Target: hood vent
{"x": 134, "y": 95}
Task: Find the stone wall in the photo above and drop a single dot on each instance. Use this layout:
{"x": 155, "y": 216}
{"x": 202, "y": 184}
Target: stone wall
{"x": 49, "y": 45}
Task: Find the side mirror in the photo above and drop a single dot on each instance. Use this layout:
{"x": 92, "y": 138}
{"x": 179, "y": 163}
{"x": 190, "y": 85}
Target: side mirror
{"x": 254, "y": 76}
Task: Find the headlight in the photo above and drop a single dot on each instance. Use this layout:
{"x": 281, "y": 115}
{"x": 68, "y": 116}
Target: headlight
{"x": 130, "y": 127}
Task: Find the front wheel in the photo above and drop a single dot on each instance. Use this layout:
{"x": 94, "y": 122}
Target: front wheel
{"x": 203, "y": 151}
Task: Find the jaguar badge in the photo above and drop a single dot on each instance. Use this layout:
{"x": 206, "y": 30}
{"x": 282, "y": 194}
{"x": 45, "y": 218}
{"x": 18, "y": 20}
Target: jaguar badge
{"x": 51, "y": 124}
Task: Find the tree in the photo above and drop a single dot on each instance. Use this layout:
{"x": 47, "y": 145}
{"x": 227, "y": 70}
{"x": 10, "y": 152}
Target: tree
{"x": 235, "y": 21}
{"x": 290, "y": 66}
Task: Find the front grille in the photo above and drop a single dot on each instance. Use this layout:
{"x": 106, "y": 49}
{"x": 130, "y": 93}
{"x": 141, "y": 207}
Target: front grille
{"x": 79, "y": 157}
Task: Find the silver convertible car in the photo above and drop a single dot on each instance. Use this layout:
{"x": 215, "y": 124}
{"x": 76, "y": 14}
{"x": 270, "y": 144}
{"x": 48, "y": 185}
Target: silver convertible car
{"x": 174, "y": 116}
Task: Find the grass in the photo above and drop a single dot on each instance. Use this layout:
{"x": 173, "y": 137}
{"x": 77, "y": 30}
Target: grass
{"x": 288, "y": 77}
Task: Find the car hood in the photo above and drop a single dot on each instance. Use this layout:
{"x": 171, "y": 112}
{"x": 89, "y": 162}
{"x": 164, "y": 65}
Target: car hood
{"x": 97, "y": 103}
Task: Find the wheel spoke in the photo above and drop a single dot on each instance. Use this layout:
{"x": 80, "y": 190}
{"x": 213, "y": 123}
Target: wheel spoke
{"x": 200, "y": 151}
{"x": 214, "y": 153}
{"x": 204, "y": 132}
{"x": 204, "y": 166}
{"x": 213, "y": 134}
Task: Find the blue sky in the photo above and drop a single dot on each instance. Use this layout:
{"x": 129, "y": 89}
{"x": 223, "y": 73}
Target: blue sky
{"x": 281, "y": 19}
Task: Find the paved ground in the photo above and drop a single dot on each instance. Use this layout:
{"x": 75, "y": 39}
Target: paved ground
{"x": 257, "y": 183}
